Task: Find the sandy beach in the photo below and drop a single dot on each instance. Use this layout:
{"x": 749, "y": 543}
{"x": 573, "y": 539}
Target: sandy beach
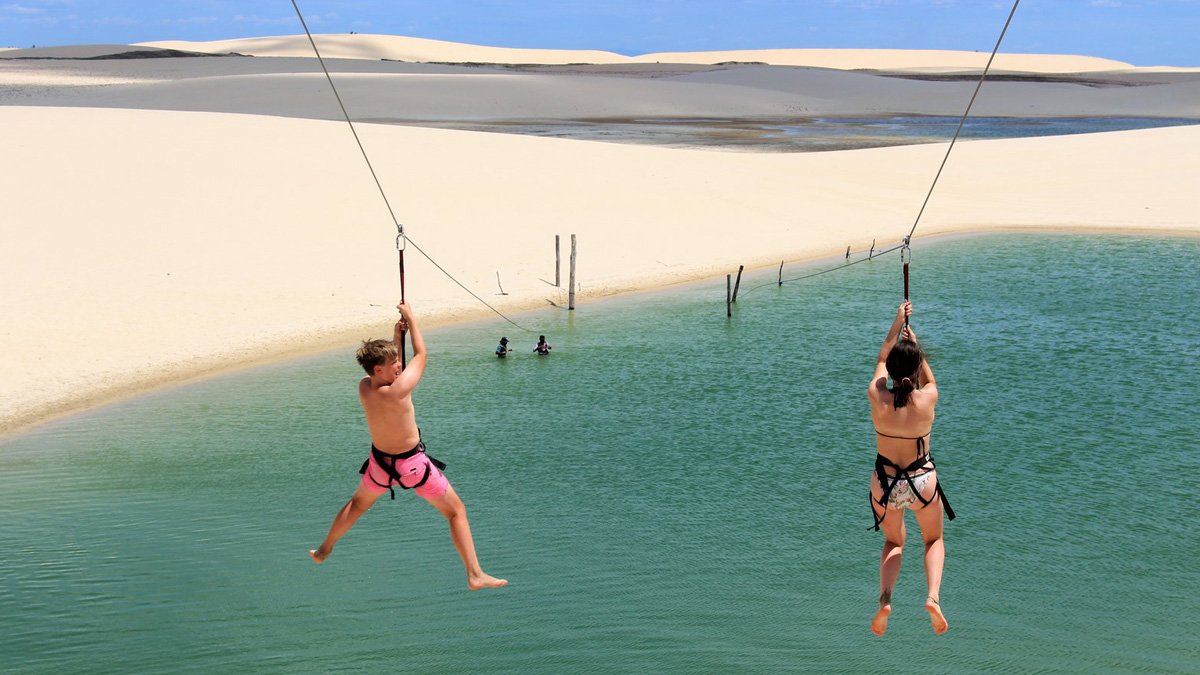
{"x": 182, "y": 216}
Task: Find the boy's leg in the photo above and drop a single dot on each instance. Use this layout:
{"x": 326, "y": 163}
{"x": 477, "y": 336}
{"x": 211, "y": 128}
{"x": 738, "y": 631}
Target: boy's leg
{"x": 359, "y": 504}
{"x": 450, "y": 506}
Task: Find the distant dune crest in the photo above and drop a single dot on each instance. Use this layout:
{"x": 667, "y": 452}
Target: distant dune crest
{"x": 399, "y": 48}
{"x": 362, "y": 46}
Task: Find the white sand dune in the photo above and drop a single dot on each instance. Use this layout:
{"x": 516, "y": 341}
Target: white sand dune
{"x": 362, "y": 46}
{"x": 365, "y": 46}
{"x": 929, "y": 60}
{"x": 175, "y": 243}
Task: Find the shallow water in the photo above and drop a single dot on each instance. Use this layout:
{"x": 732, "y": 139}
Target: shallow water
{"x": 669, "y": 491}
{"x": 806, "y": 134}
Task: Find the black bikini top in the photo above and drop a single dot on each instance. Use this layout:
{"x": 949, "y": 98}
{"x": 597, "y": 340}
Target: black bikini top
{"x": 919, "y": 439}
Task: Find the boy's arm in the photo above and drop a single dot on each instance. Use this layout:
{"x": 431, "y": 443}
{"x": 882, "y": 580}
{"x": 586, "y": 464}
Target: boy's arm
{"x": 416, "y": 365}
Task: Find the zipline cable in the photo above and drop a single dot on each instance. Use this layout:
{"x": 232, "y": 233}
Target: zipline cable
{"x": 963, "y": 119}
{"x": 825, "y": 271}
{"x": 905, "y": 251}
{"x": 401, "y": 238}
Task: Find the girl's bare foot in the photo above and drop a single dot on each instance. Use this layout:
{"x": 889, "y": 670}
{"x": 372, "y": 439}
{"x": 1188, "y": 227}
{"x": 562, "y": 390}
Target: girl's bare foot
{"x": 879, "y": 623}
{"x": 485, "y": 581}
{"x": 935, "y": 615}
{"x": 317, "y": 556}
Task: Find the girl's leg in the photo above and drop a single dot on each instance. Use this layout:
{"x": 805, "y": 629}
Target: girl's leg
{"x": 889, "y": 561}
{"x": 930, "y": 520}
{"x": 450, "y": 506}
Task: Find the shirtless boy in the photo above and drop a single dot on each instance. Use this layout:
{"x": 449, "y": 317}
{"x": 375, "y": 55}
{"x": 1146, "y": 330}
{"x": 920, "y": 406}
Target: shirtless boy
{"x": 397, "y": 453}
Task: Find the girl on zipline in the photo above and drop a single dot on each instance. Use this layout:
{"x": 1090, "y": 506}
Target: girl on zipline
{"x": 904, "y": 475}
{"x": 397, "y": 453}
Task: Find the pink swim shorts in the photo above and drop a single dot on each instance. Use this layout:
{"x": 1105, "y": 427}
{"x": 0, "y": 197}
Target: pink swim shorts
{"x": 411, "y": 471}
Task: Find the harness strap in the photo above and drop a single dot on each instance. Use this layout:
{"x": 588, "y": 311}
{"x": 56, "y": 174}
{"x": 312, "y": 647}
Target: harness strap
{"x": 888, "y": 483}
{"x": 901, "y": 473}
{"x": 945, "y": 503}
{"x": 388, "y": 464}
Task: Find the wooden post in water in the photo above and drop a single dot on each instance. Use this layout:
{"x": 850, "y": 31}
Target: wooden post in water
{"x": 571, "y": 290}
{"x": 847, "y": 253}
{"x": 871, "y": 255}
{"x": 738, "y": 282}
{"x": 728, "y": 295}
{"x": 557, "y": 264}
{"x": 780, "y": 273}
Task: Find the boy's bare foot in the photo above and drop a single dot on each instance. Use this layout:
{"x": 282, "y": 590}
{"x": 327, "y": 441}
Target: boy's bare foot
{"x": 485, "y": 581}
{"x": 317, "y": 556}
{"x": 879, "y": 623}
{"x": 935, "y": 616}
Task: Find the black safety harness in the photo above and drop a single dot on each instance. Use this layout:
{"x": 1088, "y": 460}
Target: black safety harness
{"x": 922, "y": 465}
{"x": 388, "y": 464}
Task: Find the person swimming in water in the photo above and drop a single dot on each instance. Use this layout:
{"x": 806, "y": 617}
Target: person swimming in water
{"x": 398, "y": 454}
{"x": 904, "y": 476}
{"x": 502, "y": 349}
{"x": 542, "y": 348}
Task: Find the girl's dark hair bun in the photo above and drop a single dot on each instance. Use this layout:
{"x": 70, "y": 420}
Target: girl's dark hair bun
{"x": 903, "y": 362}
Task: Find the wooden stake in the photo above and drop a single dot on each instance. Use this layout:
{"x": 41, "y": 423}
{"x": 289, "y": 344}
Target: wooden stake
{"x": 557, "y": 264}
{"x": 781, "y": 273}
{"x": 872, "y": 253}
{"x": 739, "y": 282}
{"x": 571, "y": 290}
{"x": 847, "y": 253}
{"x": 498, "y": 284}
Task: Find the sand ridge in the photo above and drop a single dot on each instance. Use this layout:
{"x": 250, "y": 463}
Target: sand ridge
{"x": 368, "y": 46}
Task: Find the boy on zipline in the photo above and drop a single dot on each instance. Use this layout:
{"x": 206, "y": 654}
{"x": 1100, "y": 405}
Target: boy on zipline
{"x": 397, "y": 452}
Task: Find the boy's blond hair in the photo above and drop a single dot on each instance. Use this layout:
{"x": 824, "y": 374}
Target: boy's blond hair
{"x": 376, "y": 353}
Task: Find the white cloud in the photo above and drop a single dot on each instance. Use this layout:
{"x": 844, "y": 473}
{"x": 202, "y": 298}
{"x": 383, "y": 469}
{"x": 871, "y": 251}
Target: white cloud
{"x": 189, "y": 20}
{"x": 21, "y": 9}
{"x": 118, "y": 21}
{"x": 262, "y": 20}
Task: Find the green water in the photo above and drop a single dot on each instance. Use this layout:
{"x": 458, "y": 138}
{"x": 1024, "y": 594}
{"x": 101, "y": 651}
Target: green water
{"x": 668, "y": 492}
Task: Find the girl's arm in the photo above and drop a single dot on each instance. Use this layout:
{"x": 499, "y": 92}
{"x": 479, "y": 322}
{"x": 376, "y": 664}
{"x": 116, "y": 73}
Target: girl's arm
{"x": 893, "y": 334}
{"x": 926, "y": 381}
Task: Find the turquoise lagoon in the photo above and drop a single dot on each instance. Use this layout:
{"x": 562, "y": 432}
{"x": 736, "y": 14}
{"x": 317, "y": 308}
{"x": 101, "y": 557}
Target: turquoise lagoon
{"x": 670, "y": 491}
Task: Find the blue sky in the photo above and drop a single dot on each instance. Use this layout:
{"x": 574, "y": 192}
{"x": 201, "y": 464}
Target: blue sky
{"x": 1141, "y": 32}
